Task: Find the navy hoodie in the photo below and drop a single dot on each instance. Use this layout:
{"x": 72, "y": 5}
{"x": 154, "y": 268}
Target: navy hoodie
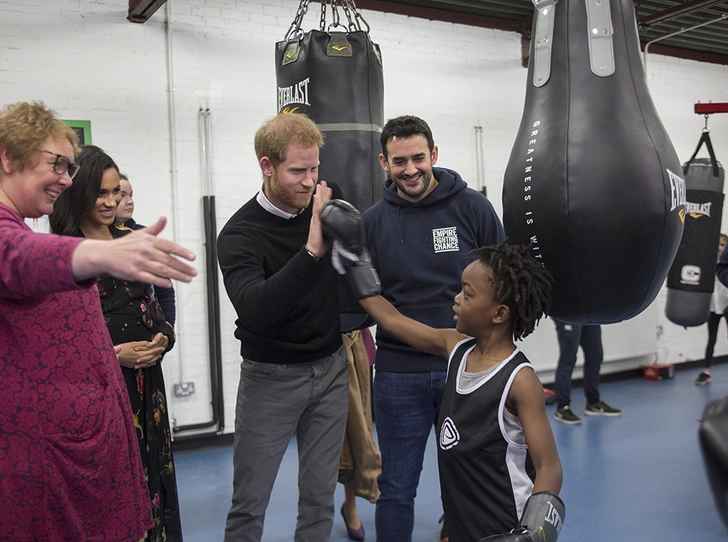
{"x": 420, "y": 250}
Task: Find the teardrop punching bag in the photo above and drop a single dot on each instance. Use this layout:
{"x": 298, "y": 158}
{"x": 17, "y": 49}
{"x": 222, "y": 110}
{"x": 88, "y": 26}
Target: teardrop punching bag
{"x": 336, "y": 78}
{"x": 691, "y": 278}
{"x": 593, "y": 181}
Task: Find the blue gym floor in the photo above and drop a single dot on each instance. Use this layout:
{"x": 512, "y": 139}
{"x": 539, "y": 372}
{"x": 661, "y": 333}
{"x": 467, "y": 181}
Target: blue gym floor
{"x": 639, "y": 477}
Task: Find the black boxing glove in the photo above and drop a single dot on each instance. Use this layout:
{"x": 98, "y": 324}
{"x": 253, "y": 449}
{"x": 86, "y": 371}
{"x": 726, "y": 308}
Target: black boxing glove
{"x": 713, "y": 435}
{"x": 342, "y": 222}
{"x": 543, "y": 517}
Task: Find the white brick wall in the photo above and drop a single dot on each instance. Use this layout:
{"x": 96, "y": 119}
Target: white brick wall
{"x": 88, "y": 62}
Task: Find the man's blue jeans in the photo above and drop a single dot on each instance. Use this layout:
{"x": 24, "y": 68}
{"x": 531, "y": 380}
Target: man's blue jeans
{"x": 571, "y": 336}
{"x": 405, "y": 408}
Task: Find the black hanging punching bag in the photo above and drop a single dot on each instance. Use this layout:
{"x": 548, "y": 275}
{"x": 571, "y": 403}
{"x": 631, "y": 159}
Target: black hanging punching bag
{"x": 336, "y": 78}
{"x": 593, "y": 181}
{"x": 692, "y": 275}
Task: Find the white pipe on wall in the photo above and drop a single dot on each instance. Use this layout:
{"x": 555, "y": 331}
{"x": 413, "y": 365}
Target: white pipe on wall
{"x": 171, "y": 111}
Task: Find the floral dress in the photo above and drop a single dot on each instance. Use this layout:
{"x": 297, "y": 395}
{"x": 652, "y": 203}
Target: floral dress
{"x": 132, "y": 314}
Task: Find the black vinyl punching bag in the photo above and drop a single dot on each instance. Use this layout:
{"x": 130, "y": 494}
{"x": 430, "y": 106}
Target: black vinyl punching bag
{"x": 593, "y": 181}
{"x": 336, "y": 78}
{"x": 692, "y": 275}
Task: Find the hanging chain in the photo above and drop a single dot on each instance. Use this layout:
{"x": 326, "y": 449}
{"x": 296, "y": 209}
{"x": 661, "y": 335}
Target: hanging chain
{"x": 336, "y": 21}
{"x": 358, "y": 16}
{"x": 347, "y": 12}
{"x": 295, "y": 28}
{"x": 353, "y": 16}
{"x": 322, "y": 22}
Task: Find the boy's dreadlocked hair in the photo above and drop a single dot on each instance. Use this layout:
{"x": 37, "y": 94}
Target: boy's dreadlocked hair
{"x": 519, "y": 281}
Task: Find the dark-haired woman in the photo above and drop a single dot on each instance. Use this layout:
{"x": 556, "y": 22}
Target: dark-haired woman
{"x": 136, "y": 324}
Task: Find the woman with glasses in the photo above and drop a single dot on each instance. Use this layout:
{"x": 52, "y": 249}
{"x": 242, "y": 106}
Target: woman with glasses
{"x": 136, "y": 324}
{"x": 69, "y": 460}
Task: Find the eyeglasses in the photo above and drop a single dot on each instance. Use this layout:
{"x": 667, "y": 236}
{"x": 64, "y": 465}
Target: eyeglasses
{"x": 63, "y": 164}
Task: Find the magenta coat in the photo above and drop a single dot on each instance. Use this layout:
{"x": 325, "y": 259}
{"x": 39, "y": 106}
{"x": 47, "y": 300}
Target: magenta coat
{"x": 70, "y": 467}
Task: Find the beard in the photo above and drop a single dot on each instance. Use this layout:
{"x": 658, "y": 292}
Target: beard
{"x": 290, "y": 197}
{"x": 416, "y": 191}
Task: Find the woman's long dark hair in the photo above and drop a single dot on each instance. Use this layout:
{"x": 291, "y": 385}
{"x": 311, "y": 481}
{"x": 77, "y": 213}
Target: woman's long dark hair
{"x": 78, "y": 200}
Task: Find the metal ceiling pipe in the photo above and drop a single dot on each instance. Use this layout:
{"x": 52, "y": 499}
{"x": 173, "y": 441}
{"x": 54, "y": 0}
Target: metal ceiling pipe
{"x": 681, "y": 9}
{"x": 681, "y": 31}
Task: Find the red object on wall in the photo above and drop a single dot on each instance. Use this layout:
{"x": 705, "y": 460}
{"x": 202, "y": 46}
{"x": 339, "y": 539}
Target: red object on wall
{"x": 707, "y": 109}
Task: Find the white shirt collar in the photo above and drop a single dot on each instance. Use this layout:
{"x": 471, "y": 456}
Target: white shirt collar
{"x": 268, "y": 206}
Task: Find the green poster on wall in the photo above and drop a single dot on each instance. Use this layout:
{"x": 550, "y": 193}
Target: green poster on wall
{"x": 82, "y": 129}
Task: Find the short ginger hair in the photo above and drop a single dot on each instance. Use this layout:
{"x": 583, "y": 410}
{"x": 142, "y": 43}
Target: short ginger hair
{"x": 272, "y": 139}
{"x": 24, "y": 127}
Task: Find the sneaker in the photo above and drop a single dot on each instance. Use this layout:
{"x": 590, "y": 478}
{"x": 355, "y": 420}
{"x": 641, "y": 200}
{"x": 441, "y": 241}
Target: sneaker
{"x": 567, "y": 416}
{"x": 601, "y": 409}
{"x": 702, "y": 379}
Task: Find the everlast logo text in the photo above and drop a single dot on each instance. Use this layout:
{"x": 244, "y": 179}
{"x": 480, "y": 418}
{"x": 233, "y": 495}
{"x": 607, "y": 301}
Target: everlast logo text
{"x": 677, "y": 191}
{"x": 295, "y": 94}
{"x": 554, "y": 518}
{"x": 696, "y": 210}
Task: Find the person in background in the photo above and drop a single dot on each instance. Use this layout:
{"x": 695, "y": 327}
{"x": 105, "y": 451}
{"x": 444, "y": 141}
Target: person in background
{"x": 718, "y": 305}
{"x": 136, "y": 324}
{"x": 124, "y": 214}
{"x": 68, "y": 454}
{"x": 125, "y": 208}
{"x": 293, "y": 379}
{"x": 419, "y": 236}
{"x": 360, "y": 461}
{"x": 571, "y": 336}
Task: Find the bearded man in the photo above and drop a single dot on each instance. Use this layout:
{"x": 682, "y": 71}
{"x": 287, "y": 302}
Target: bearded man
{"x": 293, "y": 380}
{"x": 419, "y": 236}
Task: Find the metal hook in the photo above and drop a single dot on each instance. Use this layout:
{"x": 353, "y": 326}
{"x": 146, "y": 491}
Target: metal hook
{"x": 706, "y": 129}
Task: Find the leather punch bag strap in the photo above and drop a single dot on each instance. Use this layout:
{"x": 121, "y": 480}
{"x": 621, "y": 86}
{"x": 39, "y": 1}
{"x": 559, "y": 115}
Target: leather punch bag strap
{"x": 544, "y": 37}
{"x": 704, "y": 138}
{"x": 601, "y": 47}
{"x": 600, "y": 31}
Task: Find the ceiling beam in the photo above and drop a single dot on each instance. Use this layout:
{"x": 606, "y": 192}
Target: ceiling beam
{"x": 436, "y": 14}
{"x": 676, "y": 11}
{"x": 141, "y": 10}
